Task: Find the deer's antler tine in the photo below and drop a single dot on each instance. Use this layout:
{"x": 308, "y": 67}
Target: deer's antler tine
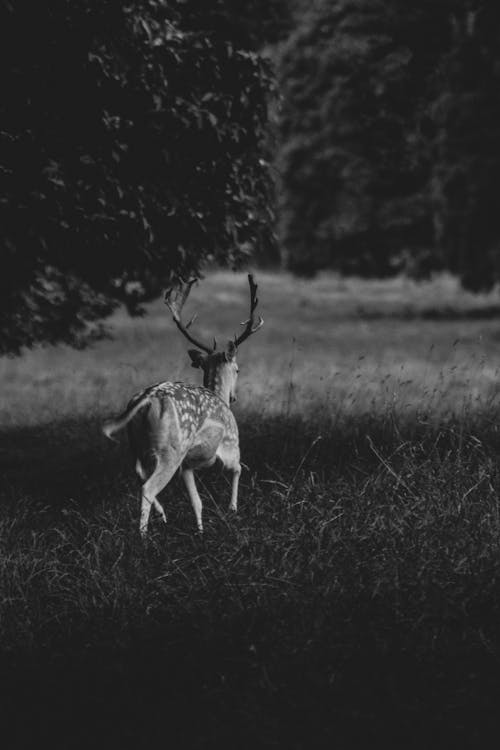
{"x": 259, "y": 324}
{"x": 249, "y": 324}
{"x": 190, "y": 323}
{"x": 175, "y": 298}
{"x": 185, "y": 289}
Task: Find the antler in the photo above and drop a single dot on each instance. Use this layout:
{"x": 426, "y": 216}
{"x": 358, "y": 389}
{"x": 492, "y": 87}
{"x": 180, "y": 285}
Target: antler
{"x": 249, "y": 324}
{"x": 175, "y": 297}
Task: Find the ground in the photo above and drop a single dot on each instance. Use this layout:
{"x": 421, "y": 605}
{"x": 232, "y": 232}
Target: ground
{"x": 356, "y": 595}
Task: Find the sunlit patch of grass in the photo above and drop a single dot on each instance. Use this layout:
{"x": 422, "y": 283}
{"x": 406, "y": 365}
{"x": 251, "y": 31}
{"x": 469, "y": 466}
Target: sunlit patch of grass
{"x": 345, "y": 344}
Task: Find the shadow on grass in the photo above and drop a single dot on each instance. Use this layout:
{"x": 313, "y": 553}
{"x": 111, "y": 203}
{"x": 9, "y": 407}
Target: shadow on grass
{"x": 354, "y": 599}
{"x": 208, "y": 694}
{"x": 53, "y": 462}
{"x": 71, "y": 459}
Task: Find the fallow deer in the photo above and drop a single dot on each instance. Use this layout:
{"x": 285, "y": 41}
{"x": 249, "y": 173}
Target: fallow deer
{"x": 175, "y": 426}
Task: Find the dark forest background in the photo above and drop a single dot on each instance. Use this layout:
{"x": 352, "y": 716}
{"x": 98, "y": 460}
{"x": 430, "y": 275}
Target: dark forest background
{"x": 143, "y": 140}
{"x": 390, "y": 140}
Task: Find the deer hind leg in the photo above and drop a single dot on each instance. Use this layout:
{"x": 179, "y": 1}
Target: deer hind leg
{"x": 141, "y": 473}
{"x": 188, "y": 476}
{"x": 139, "y": 470}
{"x": 159, "y": 479}
{"x": 160, "y": 510}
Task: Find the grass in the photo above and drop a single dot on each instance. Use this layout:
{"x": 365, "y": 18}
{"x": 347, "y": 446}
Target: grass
{"x": 346, "y": 346}
{"x": 356, "y": 595}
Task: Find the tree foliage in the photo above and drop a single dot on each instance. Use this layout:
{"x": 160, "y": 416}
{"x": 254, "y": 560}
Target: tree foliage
{"x": 389, "y": 137}
{"x": 131, "y": 148}
{"x": 465, "y": 175}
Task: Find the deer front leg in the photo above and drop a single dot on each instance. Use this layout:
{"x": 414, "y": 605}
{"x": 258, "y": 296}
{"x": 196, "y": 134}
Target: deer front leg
{"x": 233, "y": 505}
{"x": 188, "y": 476}
{"x": 230, "y": 457}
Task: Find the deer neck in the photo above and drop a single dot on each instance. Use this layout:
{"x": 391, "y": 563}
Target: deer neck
{"x": 215, "y": 382}
{"x": 223, "y": 391}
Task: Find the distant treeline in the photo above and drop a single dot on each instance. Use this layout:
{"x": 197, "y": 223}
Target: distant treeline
{"x": 389, "y": 138}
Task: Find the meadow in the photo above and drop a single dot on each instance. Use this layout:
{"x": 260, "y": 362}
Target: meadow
{"x": 354, "y": 598}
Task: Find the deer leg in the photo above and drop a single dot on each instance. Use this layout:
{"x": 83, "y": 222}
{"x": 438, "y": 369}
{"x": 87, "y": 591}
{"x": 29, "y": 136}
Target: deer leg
{"x": 188, "y": 476}
{"x": 233, "y": 505}
{"x": 160, "y": 510}
{"x": 151, "y": 487}
{"x": 142, "y": 476}
{"x": 230, "y": 457}
{"x": 140, "y": 471}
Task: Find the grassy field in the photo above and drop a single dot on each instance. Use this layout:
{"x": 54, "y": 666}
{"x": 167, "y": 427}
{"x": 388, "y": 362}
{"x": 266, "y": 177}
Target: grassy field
{"x": 346, "y": 346}
{"x": 356, "y": 595}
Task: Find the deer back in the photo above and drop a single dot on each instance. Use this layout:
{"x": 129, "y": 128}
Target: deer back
{"x": 174, "y": 415}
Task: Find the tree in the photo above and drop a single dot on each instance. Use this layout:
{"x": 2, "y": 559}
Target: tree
{"x": 390, "y": 138}
{"x": 353, "y": 177}
{"x": 131, "y": 149}
{"x": 465, "y": 180}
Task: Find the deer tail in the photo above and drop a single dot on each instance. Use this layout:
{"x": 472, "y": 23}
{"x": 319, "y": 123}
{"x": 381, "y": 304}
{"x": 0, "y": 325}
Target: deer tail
{"x": 110, "y": 426}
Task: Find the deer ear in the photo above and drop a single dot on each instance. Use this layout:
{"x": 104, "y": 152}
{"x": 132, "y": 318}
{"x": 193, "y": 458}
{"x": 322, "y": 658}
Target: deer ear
{"x": 230, "y": 352}
{"x": 197, "y": 358}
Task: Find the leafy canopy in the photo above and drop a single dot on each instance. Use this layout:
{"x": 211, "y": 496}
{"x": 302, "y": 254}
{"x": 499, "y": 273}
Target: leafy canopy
{"x": 131, "y": 149}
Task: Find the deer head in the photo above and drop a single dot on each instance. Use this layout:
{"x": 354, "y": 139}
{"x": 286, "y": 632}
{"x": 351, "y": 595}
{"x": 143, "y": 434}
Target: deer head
{"x": 220, "y": 369}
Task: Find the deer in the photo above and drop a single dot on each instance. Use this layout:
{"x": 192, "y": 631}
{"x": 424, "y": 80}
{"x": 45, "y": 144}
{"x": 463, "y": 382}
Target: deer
{"x": 175, "y": 426}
